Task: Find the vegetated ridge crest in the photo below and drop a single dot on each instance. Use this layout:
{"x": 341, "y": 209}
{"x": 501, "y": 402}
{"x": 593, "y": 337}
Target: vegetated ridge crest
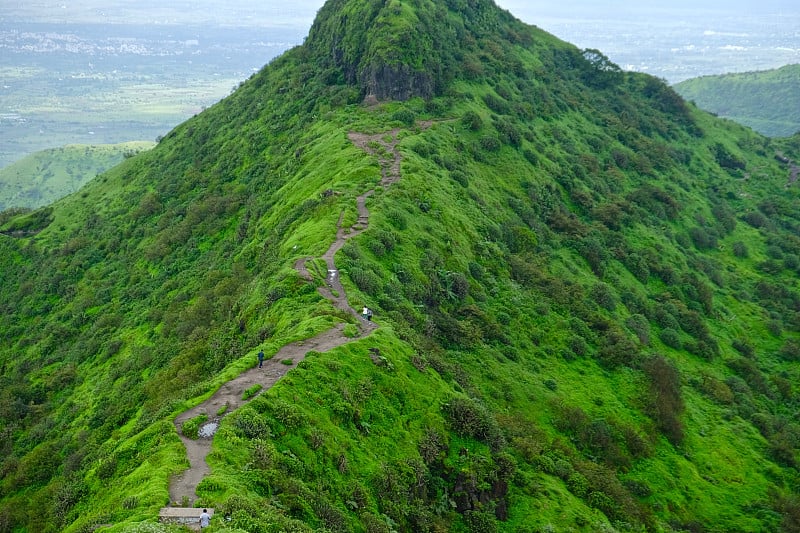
{"x": 585, "y": 293}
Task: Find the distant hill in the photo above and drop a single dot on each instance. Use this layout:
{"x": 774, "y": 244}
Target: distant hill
{"x": 586, "y": 298}
{"x": 767, "y": 101}
{"x": 43, "y": 177}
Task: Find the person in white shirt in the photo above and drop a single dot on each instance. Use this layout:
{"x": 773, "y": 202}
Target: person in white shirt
{"x": 205, "y": 519}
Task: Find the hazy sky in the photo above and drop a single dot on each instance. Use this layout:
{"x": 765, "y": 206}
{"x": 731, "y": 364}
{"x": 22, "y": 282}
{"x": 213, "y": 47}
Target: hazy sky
{"x": 301, "y": 13}
{"x": 673, "y": 40}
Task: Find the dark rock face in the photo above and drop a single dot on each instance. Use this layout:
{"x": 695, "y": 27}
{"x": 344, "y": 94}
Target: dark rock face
{"x": 396, "y": 82}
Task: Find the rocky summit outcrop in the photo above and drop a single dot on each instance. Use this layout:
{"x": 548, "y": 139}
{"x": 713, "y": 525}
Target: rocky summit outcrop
{"x": 397, "y": 50}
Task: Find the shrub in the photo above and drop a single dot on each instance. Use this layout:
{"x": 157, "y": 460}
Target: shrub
{"x": 405, "y": 116}
{"x": 664, "y": 401}
{"x": 433, "y": 446}
{"x": 39, "y": 465}
{"x": 640, "y": 489}
{"x": 387, "y": 238}
{"x": 740, "y": 250}
{"x": 530, "y": 156}
{"x": 472, "y": 120}
{"x": 775, "y": 328}
{"x": 748, "y": 371}
{"x": 596, "y": 253}
{"x": 617, "y": 349}
{"x": 469, "y": 418}
{"x": 396, "y": 218}
{"x": 671, "y": 338}
{"x": 756, "y": 219}
{"x": 703, "y": 238}
{"x": 578, "y": 345}
{"x": 717, "y": 390}
{"x": 191, "y": 427}
{"x": 724, "y": 217}
{"x": 423, "y": 149}
{"x": 578, "y": 484}
{"x": 604, "y": 296}
{"x": 726, "y": 159}
{"x": 460, "y": 177}
{"x": 366, "y": 280}
{"x": 640, "y": 326}
{"x": 790, "y": 351}
{"x": 744, "y": 347}
{"x": 490, "y": 143}
{"x": 508, "y": 132}
{"x": 480, "y": 522}
{"x": 251, "y": 424}
{"x": 496, "y": 104}
{"x": 251, "y": 391}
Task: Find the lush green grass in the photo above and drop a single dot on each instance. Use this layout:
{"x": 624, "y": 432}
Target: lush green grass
{"x": 766, "y": 101}
{"x": 586, "y": 291}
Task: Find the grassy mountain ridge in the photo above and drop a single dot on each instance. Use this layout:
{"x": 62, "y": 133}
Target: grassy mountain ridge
{"x": 585, "y": 287}
{"x": 766, "y": 101}
{"x": 43, "y": 177}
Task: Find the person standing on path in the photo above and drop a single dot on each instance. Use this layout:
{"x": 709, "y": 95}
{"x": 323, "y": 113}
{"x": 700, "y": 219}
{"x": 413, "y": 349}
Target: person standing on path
{"x": 365, "y": 312}
{"x": 260, "y": 358}
{"x": 205, "y": 519}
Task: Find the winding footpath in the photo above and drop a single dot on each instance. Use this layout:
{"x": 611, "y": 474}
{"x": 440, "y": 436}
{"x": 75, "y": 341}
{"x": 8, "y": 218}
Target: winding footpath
{"x": 229, "y": 396}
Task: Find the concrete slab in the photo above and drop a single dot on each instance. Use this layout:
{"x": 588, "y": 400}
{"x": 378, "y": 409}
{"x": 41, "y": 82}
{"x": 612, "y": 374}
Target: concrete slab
{"x": 188, "y": 516}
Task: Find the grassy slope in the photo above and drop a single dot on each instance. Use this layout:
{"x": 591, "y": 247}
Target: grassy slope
{"x": 766, "y": 101}
{"x": 588, "y": 319}
{"x": 44, "y": 177}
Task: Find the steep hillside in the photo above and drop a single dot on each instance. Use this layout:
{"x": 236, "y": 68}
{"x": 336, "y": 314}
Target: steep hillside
{"x": 767, "y": 101}
{"x": 44, "y": 177}
{"x": 585, "y": 291}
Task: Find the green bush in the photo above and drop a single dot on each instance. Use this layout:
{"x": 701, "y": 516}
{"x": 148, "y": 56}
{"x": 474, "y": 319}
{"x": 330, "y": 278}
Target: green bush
{"x": 250, "y": 424}
{"x": 366, "y": 280}
{"x": 191, "y": 427}
{"x": 469, "y": 418}
{"x": 640, "y": 326}
{"x": 671, "y": 338}
{"x": 740, "y": 250}
{"x": 404, "y": 116}
{"x": 472, "y": 120}
{"x": 251, "y": 391}
{"x": 664, "y": 400}
{"x": 490, "y": 143}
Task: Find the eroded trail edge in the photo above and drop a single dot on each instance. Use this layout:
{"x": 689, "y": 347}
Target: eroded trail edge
{"x": 229, "y": 396}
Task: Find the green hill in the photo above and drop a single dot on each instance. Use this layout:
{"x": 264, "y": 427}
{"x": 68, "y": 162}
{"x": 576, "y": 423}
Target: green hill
{"x": 767, "y": 101}
{"x": 585, "y": 292}
{"x": 44, "y": 177}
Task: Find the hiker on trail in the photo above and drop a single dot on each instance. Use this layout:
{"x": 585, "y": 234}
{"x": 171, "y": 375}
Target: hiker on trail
{"x": 369, "y": 314}
{"x": 365, "y": 313}
{"x": 260, "y": 358}
{"x": 205, "y": 519}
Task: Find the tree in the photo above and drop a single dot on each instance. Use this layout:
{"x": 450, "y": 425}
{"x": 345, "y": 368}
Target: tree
{"x": 599, "y": 71}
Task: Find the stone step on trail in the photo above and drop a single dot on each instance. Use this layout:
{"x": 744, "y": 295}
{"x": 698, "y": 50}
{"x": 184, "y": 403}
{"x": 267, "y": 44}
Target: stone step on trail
{"x": 187, "y": 516}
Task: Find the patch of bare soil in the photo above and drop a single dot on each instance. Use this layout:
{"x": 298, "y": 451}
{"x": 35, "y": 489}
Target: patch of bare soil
{"x": 228, "y": 398}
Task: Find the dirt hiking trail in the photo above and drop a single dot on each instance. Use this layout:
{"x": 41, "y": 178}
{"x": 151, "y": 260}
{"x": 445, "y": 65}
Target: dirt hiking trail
{"x": 228, "y": 397}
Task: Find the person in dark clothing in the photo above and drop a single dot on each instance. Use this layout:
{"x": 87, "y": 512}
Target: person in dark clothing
{"x": 260, "y": 358}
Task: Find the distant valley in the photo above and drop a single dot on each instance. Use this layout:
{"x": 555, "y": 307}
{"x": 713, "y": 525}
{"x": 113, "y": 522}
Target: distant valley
{"x": 99, "y": 84}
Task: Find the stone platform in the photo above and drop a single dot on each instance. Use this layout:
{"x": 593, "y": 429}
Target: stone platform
{"x": 187, "y": 516}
